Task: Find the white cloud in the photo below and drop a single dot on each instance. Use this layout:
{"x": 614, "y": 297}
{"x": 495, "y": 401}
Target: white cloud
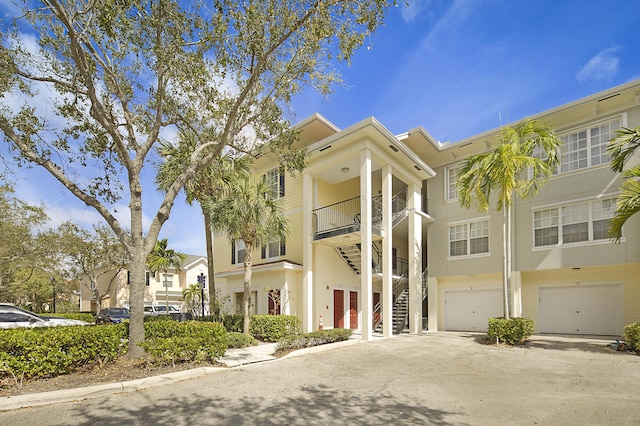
{"x": 410, "y": 11}
{"x": 452, "y": 19}
{"x": 602, "y": 66}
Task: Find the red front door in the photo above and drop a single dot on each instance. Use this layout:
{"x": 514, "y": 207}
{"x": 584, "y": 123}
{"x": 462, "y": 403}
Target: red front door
{"x": 353, "y": 310}
{"x": 338, "y": 308}
{"x": 376, "y": 315}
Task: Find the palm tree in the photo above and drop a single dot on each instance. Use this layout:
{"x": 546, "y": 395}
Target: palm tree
{"x": 211, "y": 181}
{"x": 525, "y": 157}
{"x": 620, "y": 149}
{"x": 162, "y": 259}
{"x": 251, "y": 214}
{"x": 192, "y": 297}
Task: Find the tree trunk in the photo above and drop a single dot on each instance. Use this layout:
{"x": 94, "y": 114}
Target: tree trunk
{"x": 213, "y": 305}
{"x": 136, "y": 302}
{"x": 247, "y": 288}
{"x": 509, "y": 259}
{"x": 505, "y": 284}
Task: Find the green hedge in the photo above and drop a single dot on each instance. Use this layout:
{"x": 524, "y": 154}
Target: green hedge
{"x": 233, "y": 323}
{"x": 80, "y": 316}
{"x": 632, "y": 335}
{"x": 51, "y": 351}
{"x": 314, "y": 338}
{"x": 271, "y": 328}
{"x": 240, "y": 340}
{"x": 171, "y": 342}
{"x": 511, "y": 331}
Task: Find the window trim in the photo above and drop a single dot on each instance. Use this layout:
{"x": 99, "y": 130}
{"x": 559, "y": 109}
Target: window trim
{"x": 590, "y": 221}
{"x": 282, "y": 249}
{"x": 278, "y": 178}
{"x": 468, "y": 238}
{"x": 447, "y": 194}
{"x": 235, "y": 251}
{"x": 587, "y": 126}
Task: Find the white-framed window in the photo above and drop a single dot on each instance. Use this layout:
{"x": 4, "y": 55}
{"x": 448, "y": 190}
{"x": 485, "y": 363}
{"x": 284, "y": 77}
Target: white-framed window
{"x": 276, "y": 177}
{"x": 451, "y": 178}
{"x": 238, "y": 252}
{"x": 167, "y": 280}
{"x": 470, "y": 238}
{"x": 274, "y": 249}
{"x": 587, "y": 146}
{"x": 573, "y": 223}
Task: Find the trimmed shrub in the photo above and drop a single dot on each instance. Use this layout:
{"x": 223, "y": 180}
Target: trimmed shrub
{"x": 52, "y": 351}
{"x": 271, "y": 328}
{"x": 240, "y": 340}
{"x": 233, "y": 323}
{"x": 632, "y": 335}
{"x": 156, "y": 318}
{"x": 80, "y": 316}
{"x": 171, "y": 342}
{"x": 314, "y": 338}
{"x": 511, "y": 331}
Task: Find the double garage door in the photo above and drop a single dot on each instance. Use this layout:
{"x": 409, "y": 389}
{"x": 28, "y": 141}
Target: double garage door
{"x": 562, "y": 309}
{"x": 469, "y": 309}
{"x": 581, "y": 309}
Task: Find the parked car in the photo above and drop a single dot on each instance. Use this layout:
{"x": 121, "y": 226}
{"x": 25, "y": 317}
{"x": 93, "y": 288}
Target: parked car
{"x": 112, "y": 315}
{"x": 160, "y": 309}
{"x": 13, "y": 317}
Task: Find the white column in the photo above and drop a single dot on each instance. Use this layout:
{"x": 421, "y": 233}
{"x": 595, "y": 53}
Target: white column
{"x": 415, "y": 259}
{"x": 387, "y": 244}
{"x": 307, "y": 253}
{"x": 516, "y": 294}
{"x": 366, "y": 272}
{"x": 432, "y": 300}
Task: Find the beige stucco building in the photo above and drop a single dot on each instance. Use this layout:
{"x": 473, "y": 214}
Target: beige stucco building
{"x": 112, "y": 285}
{"x": 381, "y": 242}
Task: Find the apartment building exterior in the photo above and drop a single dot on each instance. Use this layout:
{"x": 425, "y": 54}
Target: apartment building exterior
{"x": 112, "y": 286}
{"x": 380, "y": 241}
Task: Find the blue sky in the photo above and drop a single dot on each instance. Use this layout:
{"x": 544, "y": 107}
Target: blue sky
{"x": 454, "y": 67}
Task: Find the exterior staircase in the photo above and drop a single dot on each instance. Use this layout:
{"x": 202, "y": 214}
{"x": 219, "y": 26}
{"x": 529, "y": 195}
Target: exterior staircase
{"x": 352, "y": 255}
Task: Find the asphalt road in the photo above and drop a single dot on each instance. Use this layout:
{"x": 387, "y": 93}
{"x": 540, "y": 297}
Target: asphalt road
{"x": 440, "y": 378}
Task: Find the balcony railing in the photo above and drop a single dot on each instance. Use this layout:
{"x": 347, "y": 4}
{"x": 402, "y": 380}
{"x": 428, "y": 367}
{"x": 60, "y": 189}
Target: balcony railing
{"x": 343, "y": 217}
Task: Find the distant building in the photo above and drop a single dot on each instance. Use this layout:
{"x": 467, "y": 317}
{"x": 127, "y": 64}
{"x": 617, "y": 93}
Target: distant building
{"x": 160, "y": 287}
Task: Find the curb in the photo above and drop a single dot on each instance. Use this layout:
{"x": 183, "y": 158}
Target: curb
{"x": 9, "y": 403}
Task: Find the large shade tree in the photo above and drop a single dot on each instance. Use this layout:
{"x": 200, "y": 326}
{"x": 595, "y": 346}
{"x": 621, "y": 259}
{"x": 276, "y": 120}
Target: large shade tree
{"x": 250, "y": 213}
{"x": 622, "y": 149}
{"x": 87, "y": 88}
{"x": 525, "y": 157}
{"x": 210, "y": 182}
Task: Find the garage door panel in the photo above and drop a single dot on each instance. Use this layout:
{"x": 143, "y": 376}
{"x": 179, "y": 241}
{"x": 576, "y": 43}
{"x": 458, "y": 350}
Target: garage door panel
{"x": 470, "y": 309}
{"x": 581, "y": 309}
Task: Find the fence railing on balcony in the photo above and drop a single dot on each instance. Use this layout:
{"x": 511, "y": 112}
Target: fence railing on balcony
{"x": 343, "y": 217}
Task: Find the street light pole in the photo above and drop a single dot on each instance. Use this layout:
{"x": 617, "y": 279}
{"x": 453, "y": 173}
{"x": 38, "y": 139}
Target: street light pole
{"x": 202, "y": 280}
{"x": 53, "y": 284}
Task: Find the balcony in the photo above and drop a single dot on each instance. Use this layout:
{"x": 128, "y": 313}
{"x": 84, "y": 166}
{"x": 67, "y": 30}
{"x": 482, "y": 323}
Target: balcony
{"x": 342, "y": 220}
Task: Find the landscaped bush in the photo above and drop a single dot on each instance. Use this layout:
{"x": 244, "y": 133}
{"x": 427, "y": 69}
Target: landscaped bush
{"x": 314, "y": 338}
{"x": 171, "y": 342}
{"x": 156, "y": 318}
{"x": 233, "y": 322}
{"x": 51, "y": 351}
{"x": 511, "y": 331}
{"x": 80, "y": 316}
{"x": 240, "y": 340}
{"x": 632, "y": 335}
{"x": 271, "y": 328}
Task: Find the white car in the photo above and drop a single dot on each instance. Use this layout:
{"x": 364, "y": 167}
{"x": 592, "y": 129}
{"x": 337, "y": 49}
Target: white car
{"x": 13, "y": 317}
{"x": 160, "y": 310}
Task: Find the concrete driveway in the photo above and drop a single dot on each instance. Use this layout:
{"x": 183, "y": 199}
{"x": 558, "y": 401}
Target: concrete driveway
{"x": 439, "y": 378}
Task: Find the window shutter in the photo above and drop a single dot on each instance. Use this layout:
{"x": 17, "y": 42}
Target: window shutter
{"x": 263, "y": 252}
{"x": 281, "y": 181}
{"x": 128, "y": 277}
{"x": 233, "y": 252}
{"x": 283, "y": 247}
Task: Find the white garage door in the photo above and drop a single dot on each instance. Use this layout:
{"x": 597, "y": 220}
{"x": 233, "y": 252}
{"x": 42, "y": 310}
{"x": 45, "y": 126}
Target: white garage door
{"x": 470, "y": 309}
{"x": 581, "y": 309}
